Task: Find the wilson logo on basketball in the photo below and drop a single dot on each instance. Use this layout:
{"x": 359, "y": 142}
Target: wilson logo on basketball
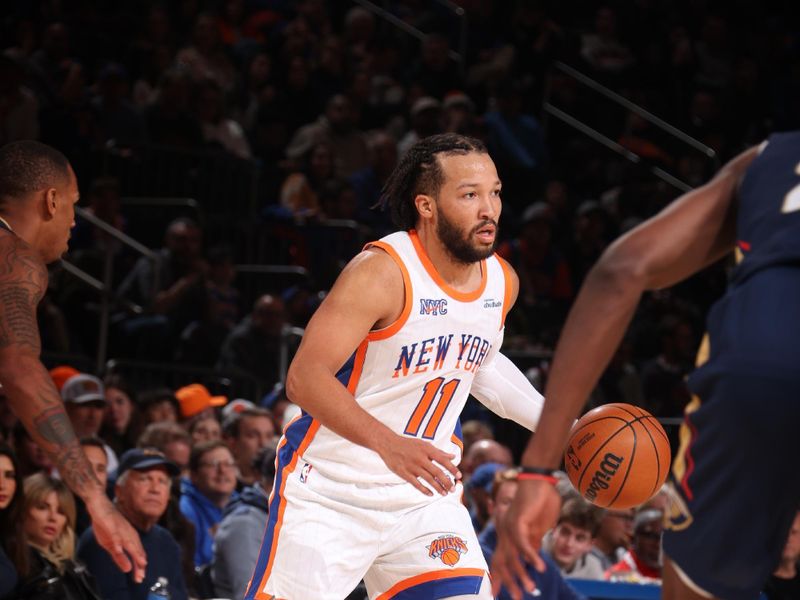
{"x": 608, "y": 468}
{"x": 447, "y": 548}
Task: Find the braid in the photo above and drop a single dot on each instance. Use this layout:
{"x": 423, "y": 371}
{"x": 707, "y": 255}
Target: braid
{"x": 419, "y": 172}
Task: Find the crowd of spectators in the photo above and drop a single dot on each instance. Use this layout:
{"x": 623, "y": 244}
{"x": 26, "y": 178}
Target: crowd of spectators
{"x": 318, "y": 99}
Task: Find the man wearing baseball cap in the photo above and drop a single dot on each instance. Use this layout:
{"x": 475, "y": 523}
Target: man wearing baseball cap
{"x": 85, "y": 401}
{"x": 142, "y": 492}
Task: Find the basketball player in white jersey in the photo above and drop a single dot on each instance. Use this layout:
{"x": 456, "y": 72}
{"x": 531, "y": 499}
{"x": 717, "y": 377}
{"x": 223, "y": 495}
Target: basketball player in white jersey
{"x": 367, "y": 485}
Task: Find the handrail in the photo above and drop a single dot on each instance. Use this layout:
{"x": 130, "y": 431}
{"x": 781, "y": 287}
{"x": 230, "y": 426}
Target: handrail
{"x": 181, "y": 374}
{"x": 105, "y": 287}
{"x": 616, "y": 147}
{"x": 410, "y": 29}
{"x": 160, "y": 201}
{"x": 274, "y": 269}
{"x": 633, "y": 107}
{"x": 283, "y": 361}
{"x": 116, "y": 233}
{"x": 453, "y": 7}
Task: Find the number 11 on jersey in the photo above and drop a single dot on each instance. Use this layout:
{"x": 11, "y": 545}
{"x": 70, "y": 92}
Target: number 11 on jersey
{"x": 430, "y": 391}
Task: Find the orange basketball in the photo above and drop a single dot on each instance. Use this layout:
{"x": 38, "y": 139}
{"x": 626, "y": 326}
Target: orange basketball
{"x": 617, "y": 456}
{"x": 450, "y": 557}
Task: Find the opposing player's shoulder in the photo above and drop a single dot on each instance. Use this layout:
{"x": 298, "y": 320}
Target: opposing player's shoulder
{"x": 19, "y": 263}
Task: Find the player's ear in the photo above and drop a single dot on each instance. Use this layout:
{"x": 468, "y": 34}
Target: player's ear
{"x": 424, "y": 204}
{"x": 50, "y": 201}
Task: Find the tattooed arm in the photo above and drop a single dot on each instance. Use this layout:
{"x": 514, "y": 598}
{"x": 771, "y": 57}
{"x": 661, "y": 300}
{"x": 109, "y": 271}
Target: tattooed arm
{"x": 35, "y": 400}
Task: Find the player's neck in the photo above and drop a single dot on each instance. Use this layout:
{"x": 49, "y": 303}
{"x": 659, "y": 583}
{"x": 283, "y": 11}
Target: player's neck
{"x": 459, "y": 275}
{"x": 20, "y": 226}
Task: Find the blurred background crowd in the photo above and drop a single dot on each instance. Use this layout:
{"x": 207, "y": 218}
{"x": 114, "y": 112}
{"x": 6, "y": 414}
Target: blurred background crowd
{"x": 230, "y": 155}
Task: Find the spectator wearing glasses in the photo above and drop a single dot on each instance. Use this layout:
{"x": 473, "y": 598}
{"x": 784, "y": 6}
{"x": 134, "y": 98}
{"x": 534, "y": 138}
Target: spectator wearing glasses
{"x": 613, "y": 537}
{"x": 642, "y": 562}
{"x": 241, "y": 531}
{"x": 211, "y": 484}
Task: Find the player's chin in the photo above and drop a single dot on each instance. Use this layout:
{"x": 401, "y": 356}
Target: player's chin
{"x": 484, "y": 249}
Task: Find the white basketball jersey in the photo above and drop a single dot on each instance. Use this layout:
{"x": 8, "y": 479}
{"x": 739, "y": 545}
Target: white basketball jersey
{"x": 414, "y": 375}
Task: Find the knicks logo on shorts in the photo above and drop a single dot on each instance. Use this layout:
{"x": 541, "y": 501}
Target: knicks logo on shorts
{"x": 447, "y": 548}
{"x": 678, "y": 516}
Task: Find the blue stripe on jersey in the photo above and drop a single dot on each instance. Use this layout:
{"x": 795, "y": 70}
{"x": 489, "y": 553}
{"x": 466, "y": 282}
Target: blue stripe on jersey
{"x": 457, "y": 431}
{"x": 346, "y": 371}
{"x": 296, "y": 432}
{"x": 441, "y": 588}
{"x": 294, "y": 436}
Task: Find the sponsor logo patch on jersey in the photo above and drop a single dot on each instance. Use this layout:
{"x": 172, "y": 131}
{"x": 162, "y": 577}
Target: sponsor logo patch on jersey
{"x": 448, "y": 549}
{"x": 491, "y": 303}
{"x": 433, "y": 306}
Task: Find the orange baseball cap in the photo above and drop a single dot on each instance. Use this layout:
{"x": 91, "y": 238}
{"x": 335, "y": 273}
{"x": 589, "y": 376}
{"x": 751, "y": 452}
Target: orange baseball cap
{"x": 195, "y": 398}
{"x": 61, "y": 373}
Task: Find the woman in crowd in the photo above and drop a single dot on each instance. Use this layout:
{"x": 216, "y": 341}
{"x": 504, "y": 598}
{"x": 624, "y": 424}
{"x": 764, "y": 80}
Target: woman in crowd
{"x": 10, "y": 501}
{"x": 122, "y": 424}
{"x": 45, "y": 558}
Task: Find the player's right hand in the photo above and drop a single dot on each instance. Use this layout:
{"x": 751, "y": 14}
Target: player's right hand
{"x": 417, "y": 461}
{"x": 117, "y": 536}
{"x": 533, "y": 512}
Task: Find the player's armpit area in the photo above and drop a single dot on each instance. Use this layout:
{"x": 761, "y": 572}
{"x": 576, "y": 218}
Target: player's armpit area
{"x": 691, "y": 233}
{"x": 23, "y": 282}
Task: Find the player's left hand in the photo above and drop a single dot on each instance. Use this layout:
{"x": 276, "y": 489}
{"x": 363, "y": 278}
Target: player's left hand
{"x": 533, "y": 512}
{"x": 417, "y": 461}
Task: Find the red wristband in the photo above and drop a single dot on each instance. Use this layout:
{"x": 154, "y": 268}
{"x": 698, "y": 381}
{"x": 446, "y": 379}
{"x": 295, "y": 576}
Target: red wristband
{"x": 552, "y": 479}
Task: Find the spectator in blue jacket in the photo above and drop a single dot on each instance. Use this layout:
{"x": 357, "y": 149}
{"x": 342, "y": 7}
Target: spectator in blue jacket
{"x": 211, "y": 484}
{"x": 241, "y": 531}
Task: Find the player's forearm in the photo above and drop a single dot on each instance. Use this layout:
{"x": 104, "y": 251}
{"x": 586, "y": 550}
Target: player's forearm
{"x": 319, "y": 393}
{"x": 588, "y": 341}
{"x": 505, "y": 390}
{"x": 37, "y": 403}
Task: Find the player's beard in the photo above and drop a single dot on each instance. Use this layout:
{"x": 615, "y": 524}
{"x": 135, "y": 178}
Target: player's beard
{"x": 460, "y": 246}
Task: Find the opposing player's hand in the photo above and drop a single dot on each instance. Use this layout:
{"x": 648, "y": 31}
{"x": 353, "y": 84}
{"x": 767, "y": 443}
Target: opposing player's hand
{"x": 533, "y": 512}
{"x": 117, "y": 536}
{"x": 417, "y": 460}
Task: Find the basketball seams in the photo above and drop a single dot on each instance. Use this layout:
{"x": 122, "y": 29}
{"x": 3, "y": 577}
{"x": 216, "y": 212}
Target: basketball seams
{"x": 657, "y": 455}
{"x": 630, "y": 465}
{"x": 628, "y": 416}
{"x": 604, "y": 444}
{"x": 599, "y": 449}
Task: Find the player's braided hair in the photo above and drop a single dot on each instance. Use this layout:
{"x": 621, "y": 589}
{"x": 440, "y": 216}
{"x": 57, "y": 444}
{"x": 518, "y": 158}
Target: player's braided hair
{"x": 419, "y": 172}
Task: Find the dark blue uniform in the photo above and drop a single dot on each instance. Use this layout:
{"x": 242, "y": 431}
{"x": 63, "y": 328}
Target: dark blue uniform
{"x": 735, "y": 476}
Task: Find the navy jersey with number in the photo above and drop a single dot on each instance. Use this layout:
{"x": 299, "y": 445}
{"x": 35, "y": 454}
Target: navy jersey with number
{"x": 755, "y": 326}
{"x": 736, "y": 492}
{"x": 768, "y": 225}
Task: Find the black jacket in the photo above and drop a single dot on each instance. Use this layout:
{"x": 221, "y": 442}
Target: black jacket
{"x": 45, "y": 582}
